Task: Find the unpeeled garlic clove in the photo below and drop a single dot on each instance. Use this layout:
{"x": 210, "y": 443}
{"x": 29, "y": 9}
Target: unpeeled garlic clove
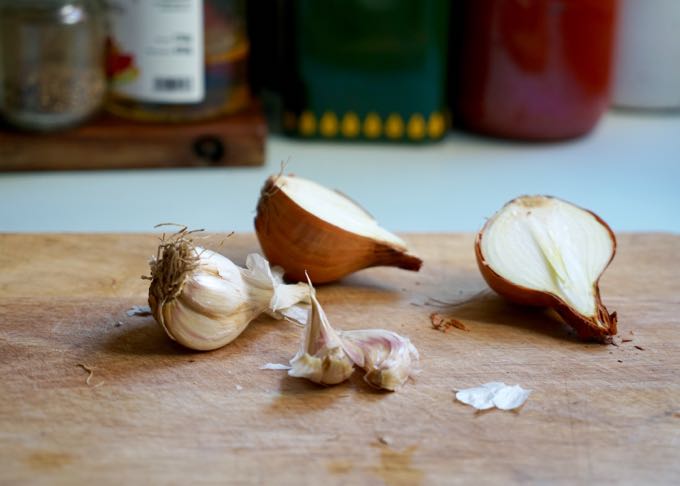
{"x": 322, "y": 357}
{"x": 328, "y": 356}
{"x": 204, "y": 301}
{"x": 388, "y": 358}
{"x": 540, "y": 250}
{"x": 306, "y": 227}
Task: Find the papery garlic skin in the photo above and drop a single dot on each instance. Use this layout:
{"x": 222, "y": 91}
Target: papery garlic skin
{"x": 260, "y": 277}
{"x": 494, "y": 394}
{"x": 322, "y": 357}
{"x": 388, "y": 358}
{"x": 211, "y": 300}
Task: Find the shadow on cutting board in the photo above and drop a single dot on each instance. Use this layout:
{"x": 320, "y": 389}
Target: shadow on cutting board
{"x": 144, "y": 338}
{"x": 294, "y": 391}
{"x": 487, "y": 307}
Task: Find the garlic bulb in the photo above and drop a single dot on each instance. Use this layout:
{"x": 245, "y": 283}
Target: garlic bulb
{"x": 388, "y": 358}
{"x": 204, "y": 301}
{"x": 322, "y": 357}
{"x": 308, "y": 228}
{"x": 540, "y": 250}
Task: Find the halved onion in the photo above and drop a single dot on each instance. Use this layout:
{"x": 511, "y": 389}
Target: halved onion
{"x": 304, "y": 226}
{"x": 540, "y": 250}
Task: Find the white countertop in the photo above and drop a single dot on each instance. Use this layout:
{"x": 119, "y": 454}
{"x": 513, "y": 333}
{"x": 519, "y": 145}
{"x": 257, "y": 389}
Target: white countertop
{"x": 628, "y": 171}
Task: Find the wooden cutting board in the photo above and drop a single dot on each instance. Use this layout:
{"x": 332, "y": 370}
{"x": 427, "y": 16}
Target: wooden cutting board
{"x": 156, "y": 413}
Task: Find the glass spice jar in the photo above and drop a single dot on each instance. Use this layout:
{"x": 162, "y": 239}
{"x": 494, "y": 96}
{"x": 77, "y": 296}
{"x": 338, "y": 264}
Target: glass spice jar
{"x": 177, "y": 60}
{"x": 51, "y": 62}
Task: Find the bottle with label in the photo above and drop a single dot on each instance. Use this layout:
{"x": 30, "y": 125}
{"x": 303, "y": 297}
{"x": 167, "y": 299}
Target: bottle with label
{"x": 177, "y": 60}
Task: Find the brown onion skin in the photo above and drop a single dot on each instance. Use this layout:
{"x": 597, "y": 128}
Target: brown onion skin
{"x": 584, "y": 326}
{"x": 298, "y": 241}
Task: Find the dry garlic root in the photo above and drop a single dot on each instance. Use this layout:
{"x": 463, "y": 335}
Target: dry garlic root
{"x": 328, "y": 356}
{"x": 204, "y": 301}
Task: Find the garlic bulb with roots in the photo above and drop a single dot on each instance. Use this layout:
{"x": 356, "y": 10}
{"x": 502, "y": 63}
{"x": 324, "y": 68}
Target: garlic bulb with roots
{"x": 204, "y": 301}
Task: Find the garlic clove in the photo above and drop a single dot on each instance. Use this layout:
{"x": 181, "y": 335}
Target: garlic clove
{"x": 200, "y": 331}
{"x": 215, "y": 295}
{"x": 204, "y": 301}
{"x": 331, "y": 367}
{"x": 322, "y": 357}
{"x": 540, "y": 250}
{"x": 304, "y": 226}
{"x": 328, "y": 356}
{"x": 388, "y": 358}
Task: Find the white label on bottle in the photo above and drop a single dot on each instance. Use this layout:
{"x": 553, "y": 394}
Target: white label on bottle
{"x": 157, "y": 50}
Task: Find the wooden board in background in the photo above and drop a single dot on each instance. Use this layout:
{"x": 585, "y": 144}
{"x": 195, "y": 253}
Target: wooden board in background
{"x": 157, "y": 413}
{"x": 112, "y": 143}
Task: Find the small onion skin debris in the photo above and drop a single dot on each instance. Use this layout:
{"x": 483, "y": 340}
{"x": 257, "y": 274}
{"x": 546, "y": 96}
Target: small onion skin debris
{"x": 585, "y": 326}
{"x": 299, "y": 241}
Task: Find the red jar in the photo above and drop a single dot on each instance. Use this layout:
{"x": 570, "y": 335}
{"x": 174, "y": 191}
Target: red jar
{"x": 535, "y": 69}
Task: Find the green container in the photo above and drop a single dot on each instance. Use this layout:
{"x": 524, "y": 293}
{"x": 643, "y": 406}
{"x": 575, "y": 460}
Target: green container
{"x": 365, "y": 69}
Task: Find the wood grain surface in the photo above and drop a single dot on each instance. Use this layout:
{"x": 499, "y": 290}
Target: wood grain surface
{"x": 156, "y": 413}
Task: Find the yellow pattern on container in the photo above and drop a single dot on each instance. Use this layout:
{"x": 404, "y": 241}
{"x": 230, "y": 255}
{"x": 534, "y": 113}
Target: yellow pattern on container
{"x": 351, "y": 125}
{"x": 328, "y": 125}
{"x": 372, "y": 125}
{"x": 436, "y": 125}
{"x": 394, "y": 126}
{"x": 289, "y": 121}
{"x": 307, "y": 125}
{"x": 416, "y": 127}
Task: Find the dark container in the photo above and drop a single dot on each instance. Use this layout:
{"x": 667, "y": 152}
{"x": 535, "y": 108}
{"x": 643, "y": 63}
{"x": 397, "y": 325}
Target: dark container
{"x": 365, "y": 69}
{"x": 534, "y": 69}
